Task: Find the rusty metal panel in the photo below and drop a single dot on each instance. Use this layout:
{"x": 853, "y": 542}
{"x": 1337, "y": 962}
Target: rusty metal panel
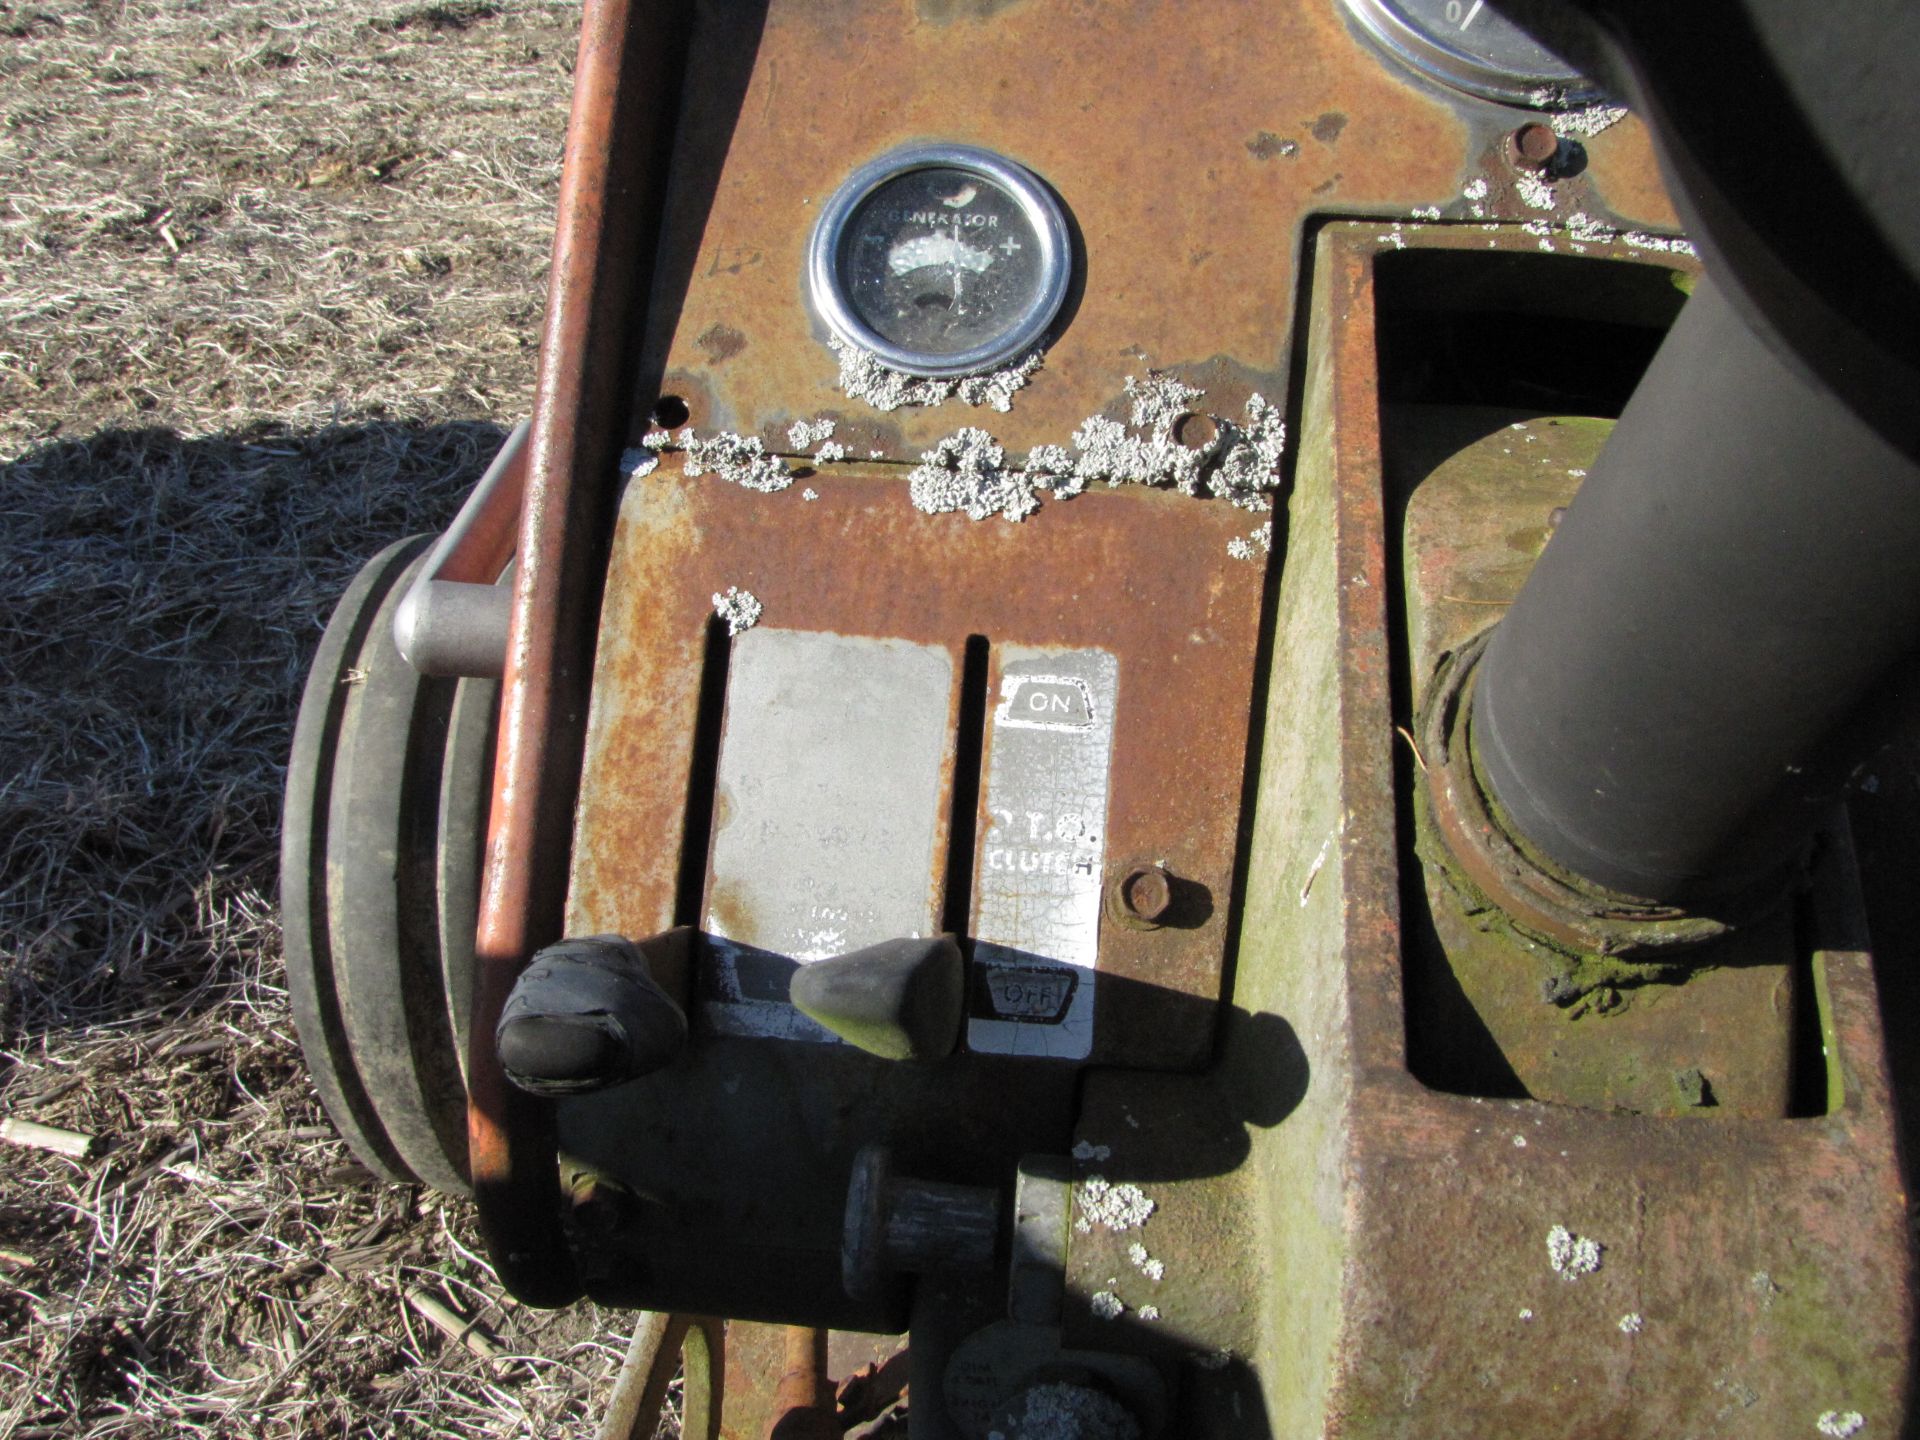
{"x": 1515, "y": 1267}
{"x": 1142, "y": 575}
{"x": 1191, "y": 144}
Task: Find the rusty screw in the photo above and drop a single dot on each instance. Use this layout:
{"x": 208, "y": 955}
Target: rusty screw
{"x": 1146, "y": 893}
{"x": 1533, "y": 146}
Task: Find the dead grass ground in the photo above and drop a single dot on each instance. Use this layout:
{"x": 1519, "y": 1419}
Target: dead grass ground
{"x": 270, "y": 281}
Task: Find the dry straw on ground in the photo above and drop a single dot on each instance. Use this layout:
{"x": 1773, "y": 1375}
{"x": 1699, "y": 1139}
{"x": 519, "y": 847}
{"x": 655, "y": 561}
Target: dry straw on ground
{"x": 270, "y": 281}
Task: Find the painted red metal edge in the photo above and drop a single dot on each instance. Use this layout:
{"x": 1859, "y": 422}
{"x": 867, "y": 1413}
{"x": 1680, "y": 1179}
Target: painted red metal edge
{"x": 611, "y": 189}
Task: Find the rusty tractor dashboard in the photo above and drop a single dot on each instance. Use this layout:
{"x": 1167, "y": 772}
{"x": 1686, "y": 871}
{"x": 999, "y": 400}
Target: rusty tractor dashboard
{"x": 1013, "y": 486}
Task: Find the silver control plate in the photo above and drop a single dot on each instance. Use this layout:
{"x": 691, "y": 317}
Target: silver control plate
{"x": 1042, "y": 854}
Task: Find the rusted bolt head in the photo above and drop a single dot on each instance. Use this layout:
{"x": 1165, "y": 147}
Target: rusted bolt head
{"x": 1533, "y": 145}
{"x": 1195, "y": 431}
{"x": 1146, "y": 892}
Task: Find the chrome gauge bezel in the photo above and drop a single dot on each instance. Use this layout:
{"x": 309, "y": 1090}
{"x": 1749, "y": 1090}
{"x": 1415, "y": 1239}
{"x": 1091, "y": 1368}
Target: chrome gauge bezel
{"x": 827, "y": 288}
{"x": 1386, "y": 23}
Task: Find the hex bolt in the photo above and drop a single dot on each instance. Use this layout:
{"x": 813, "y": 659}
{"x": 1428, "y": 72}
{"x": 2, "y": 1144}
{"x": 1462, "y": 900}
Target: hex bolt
{"x": 1145, "y": 893}
{"x": 1533, "y": 146}
{"x": 895, "y": 1225}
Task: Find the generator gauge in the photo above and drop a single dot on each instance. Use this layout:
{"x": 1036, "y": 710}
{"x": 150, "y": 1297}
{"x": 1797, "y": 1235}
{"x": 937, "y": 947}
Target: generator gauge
{"x": 1473, "y": 47}
{"x": 943, "y": 260}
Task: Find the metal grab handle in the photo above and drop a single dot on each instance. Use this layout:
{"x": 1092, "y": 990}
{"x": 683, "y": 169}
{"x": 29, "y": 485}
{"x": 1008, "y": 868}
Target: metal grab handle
{"x": 453, "y": 619}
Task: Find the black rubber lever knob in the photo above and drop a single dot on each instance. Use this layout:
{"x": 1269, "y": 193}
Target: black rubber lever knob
{"x": 587, "y": 1013}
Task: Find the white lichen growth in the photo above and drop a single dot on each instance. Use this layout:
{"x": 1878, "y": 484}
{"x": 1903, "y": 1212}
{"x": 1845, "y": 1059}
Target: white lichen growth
{"x": 1071, "y": 1412}
{"x": 1584, "y": 228}
{"x": 804, "y": 435}
{"x": 1239, "y": 462}
{"x": 1589, "y": 121}
{"x": 1572, "y": 1255}
{"x": 739, "y": 608}
{"x": 829, "y": 453}
{"x": 1256, "y": 542}
{"x": 1087, "y": 1150}
{"x": 740, "y": 459}
{"x": 638, "y": 462}
{"x": 863, "y": 377}
{"x": 1840, "y": 1423}
{"x": 967, "y": 471}
{"x": 1535, "y": 191}
{"x": 1110, "y": 1206}
{"x": 1154, "y": 1269}
{"x": 1107, "y": 1306}
{"x": 1631, "y": 1324}
{"x": 1662, "y": 244}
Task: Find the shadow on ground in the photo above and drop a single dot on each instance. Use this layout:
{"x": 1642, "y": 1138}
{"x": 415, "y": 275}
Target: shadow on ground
{"x": 162, "y": 598}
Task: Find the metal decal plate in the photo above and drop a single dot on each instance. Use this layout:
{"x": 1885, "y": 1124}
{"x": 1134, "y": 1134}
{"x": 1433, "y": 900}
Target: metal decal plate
{"x": 1038, "y": 888}
{"x": 829, "y": 815}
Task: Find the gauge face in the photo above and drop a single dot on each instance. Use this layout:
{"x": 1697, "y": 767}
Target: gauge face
{"x": 1473, "y": 47}
{"x": 941, "y": 260}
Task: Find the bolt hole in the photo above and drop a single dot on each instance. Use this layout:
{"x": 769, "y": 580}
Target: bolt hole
{"x": 1533, "y": 145}
{"x": 1196, "y": 432}
{"x": 671, "y": 411}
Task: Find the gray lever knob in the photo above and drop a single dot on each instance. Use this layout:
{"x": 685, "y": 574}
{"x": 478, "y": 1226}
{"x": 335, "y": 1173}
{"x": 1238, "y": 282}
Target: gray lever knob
{"x": 900, "y": 999}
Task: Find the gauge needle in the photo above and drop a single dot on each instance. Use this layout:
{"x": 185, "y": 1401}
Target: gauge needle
{"x": 937, "y": 249}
